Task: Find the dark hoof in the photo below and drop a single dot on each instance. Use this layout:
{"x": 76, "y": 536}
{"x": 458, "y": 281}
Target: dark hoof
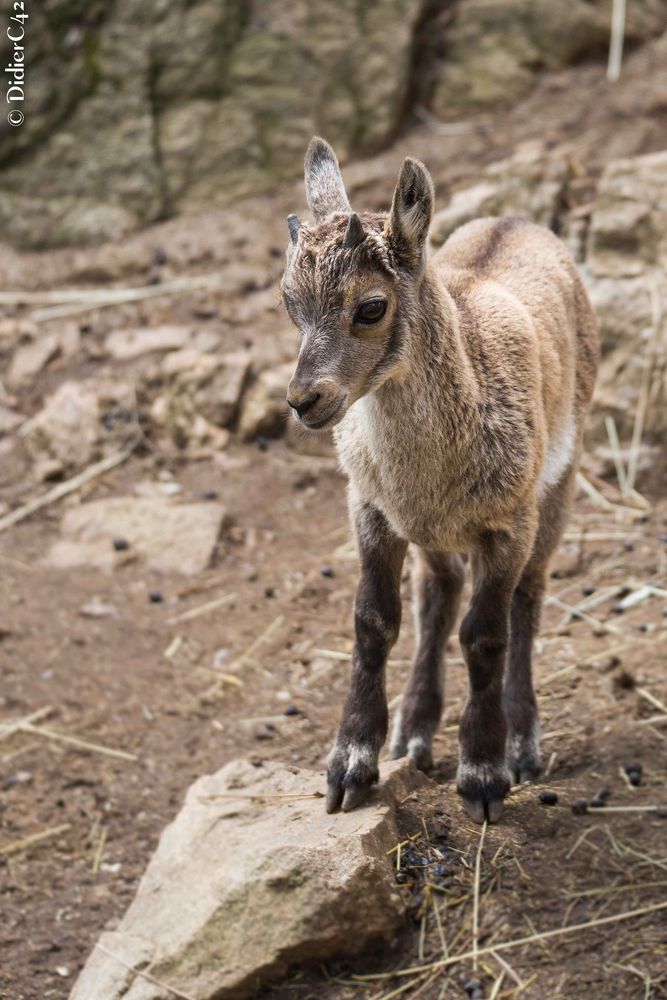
{"x": 481, "y": 810}
{"x": 352, "y": 773}
{"x": 483, "y": 788}
{"x": 524, "y": 770}
{"x": 523, "y": 759}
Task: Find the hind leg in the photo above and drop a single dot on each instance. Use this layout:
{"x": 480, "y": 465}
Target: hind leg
{"x": 523, "y": 740}
{"x": 438, "y": 582}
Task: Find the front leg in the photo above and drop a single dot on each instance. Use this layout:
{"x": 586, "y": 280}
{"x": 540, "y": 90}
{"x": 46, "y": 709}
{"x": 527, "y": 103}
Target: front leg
{"x": 353, "y": 761}
{"x": 483, "y": 778}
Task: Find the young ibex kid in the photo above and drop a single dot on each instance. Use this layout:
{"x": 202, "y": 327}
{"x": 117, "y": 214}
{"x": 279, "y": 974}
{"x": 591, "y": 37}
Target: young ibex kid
{"x": 458, "y": 385}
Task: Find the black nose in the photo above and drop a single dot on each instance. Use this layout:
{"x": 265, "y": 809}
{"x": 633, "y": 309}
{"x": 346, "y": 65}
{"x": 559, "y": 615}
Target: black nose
{"x": 303, "y": 405}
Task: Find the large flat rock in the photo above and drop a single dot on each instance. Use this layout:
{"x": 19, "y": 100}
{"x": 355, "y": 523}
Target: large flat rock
{"x": 251, "y": 877}
{"x": 167, "y": 536}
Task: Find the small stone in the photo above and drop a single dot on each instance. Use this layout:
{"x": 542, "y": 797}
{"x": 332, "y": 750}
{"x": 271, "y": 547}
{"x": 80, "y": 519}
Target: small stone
{"x": 597, "y": 803}
{"x": 604, "y": 793}
{"x": 633, "y": 766}
{"x": 580, "y": 808}
{"x": 587, "y": 591}
{"x": 159, "y": 257}
{"x": 120, "y": 544}
{"x": 327, "y": 571}
{"x": 635, "y": 778}
{"x": 548, "y": 798}
{"x": 155, "y": 597}
{"x": 292, "y": 710}
{"x": 97, "y": 608}
{"x": 269, "y": 592}
{"x": 262, "y": 444}
{"x": 629, "y": 546}
{"x": 401, "y": 878}
{"x": 209, "y": 495}
{"x": 472, "y": 986}
{"x": 643, "y": 627}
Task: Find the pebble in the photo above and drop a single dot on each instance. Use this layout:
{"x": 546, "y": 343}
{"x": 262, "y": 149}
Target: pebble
{"x": 401, "y": 878}
{"x": 262, "y": 444}
{"x": 580, "y": 808}
{"x": 120, "y": 544}
{"x": 209, "y": 495}
{"x": 155, "y": 597}
{"x": 442, "y": 870}
{"x": 159, "y": 257}
{"x": 292, "y": 710}
{"x": 587, "y": 591}
{"x": 548, "y": 798}
{"x": 269, "y": 592}
{"x": 472, "y": 986}
{"x": 327, "y": 571}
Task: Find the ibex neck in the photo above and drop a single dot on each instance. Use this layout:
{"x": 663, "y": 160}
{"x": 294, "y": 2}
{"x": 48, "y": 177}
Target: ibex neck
{"x": 437, "y": 369}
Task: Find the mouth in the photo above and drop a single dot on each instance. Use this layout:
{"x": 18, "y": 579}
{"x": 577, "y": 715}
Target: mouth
{"x": 318, "y": 425}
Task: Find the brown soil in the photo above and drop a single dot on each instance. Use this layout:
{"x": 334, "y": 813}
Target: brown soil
{"x": 108, "y": 680}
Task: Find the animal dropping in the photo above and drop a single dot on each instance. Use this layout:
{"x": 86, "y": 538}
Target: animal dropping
{"x": 457, "y": 386}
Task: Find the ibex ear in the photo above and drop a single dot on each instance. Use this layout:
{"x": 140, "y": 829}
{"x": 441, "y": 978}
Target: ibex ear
{"x": 325, "y": 190}
{"x": 411, "y": 211}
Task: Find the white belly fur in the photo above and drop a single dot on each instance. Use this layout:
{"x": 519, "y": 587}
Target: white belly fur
{"x": 558, "y": 457}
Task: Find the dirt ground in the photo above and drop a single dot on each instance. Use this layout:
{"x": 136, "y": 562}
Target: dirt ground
{"x": 266, "y": 673}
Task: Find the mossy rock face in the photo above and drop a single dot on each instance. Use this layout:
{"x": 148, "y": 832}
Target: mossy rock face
{"x": 135, "y": 110}
{"x": 494, "y": 47}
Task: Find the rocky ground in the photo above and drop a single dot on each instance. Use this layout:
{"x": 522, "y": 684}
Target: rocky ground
{"x": 131, "y": 678}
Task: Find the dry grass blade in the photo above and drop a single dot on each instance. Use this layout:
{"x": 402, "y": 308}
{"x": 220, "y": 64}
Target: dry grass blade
{"x": 612, "y": 434}
{"x": 63, "y": 489}
{"x": 582, "y": 615}
{"x": 646, "y": 380}
{"x": 74, "y": 741}
{"x": 73, "y": 302}
{"x": 145, "y": 975}
{"x": 9, "y": 728}
{"x": 475, "y": 898}
{"x": 497, "y": 985}
{"x": 616, "y": 40}
{"x": 647, "y": 696}
{"x": 202, "y": 609}
{"x": 520, "y": 942}
{"x": 262, "y": 638}
{"x": 35, "y": 838}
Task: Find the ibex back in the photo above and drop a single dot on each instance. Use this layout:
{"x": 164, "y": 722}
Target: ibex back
{"x": 458, "y": 385}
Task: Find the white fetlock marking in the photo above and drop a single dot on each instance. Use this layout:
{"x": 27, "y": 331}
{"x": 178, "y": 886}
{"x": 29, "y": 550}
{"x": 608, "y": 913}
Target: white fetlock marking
{"x": 396, "y": 739}
{"x": 358, "y": 753}
{"x": 485, "y": 773}
{"x": 416, "y": 744}
{"x": 520, "y": 745}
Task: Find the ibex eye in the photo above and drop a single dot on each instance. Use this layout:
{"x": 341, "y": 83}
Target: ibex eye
{"x": 371, "y": 311}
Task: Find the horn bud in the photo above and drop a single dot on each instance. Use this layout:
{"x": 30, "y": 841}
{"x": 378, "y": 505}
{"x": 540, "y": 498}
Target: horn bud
{"x": 354, "y": 234}
{"x": 294, "y": 226}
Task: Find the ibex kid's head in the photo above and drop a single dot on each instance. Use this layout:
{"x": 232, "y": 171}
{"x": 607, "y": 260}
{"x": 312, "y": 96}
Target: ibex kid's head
{"x": 350, "y": 286}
